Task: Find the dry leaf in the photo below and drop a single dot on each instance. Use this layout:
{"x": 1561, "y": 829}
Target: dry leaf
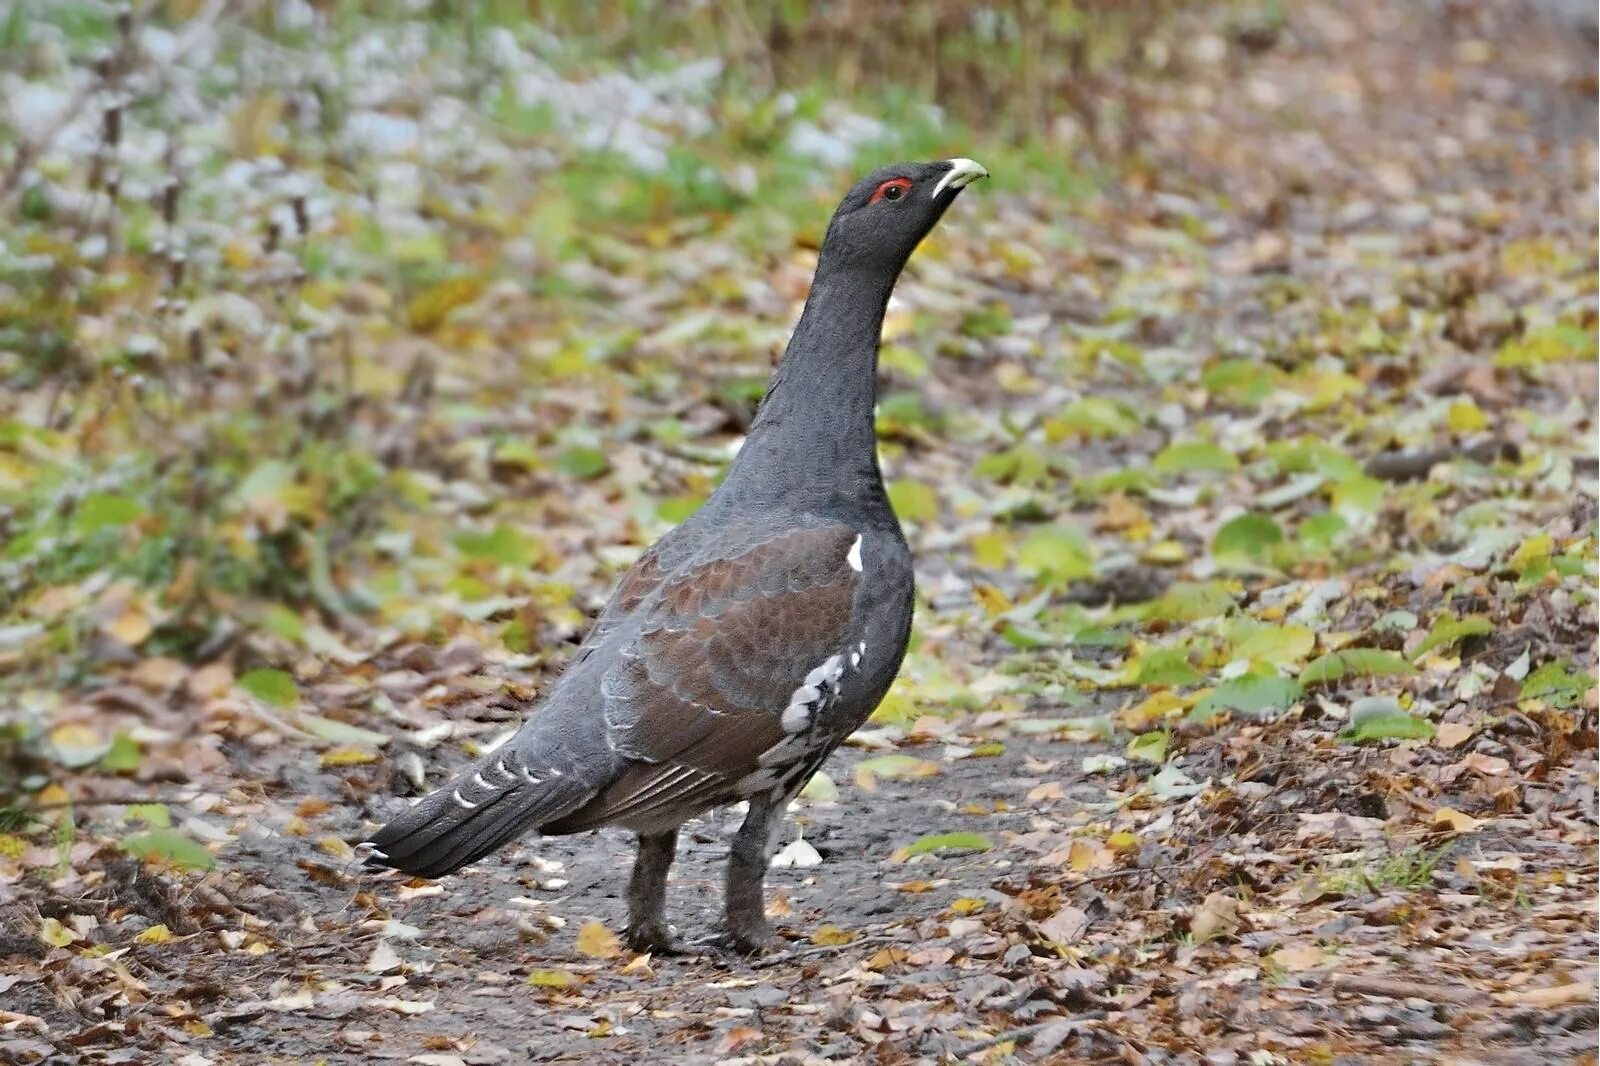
{"x": 1065, "y": 926}
{"x": 831, "y": 936}
{"x": 1567, "y": 995}
{"x": 1297, "y": 957}
{"x": 598, "y": 942}
{"x": 1455, "y": 820}
{"x": 1218, "y": 915}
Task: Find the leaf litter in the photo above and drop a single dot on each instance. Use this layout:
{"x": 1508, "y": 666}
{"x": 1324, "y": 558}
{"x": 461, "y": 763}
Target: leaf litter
{"x": 1251, "y": 715}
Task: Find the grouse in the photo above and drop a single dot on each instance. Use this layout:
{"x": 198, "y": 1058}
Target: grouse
{"x": 748, "y": 642}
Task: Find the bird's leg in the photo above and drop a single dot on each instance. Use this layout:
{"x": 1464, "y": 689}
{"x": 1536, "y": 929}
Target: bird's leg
{"x": 647, "y": 893}
{"x": 746, "y": 927}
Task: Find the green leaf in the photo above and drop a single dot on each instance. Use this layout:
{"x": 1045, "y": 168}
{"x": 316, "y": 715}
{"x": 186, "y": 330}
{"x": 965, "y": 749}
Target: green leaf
{"x": 1354, "y": 662}
{"x": 914, "y": 501}
{"x": 934, "y": 843}
{"x": 1191, "y": 601}
{"x": 1548, "y": 345}
{"x": 1249, "y": 536}
{"x": 1172, "y": 783}
{"x": 503, "y": 544}
{"x": 1321, "y": 530}
{"x": 1276, "y": 645}
{"x": 1248, "y": 695}
{"x": 1194, "y": 456}
{"x": 1556, "y": 685}
{"x": 1167, "y": 667}
{"x": 172, "y": 847}
{"x": 1382, "y": 718}
{"x": 105, "y": 510}
{"x": 271, "y": 686}
{"x": 337, "y": 732}
{"x": 1057, "y": 553}
{"x": 123, "y": 757}
{"x": 583, "y": 463}
{"x": 278, "y": 619}
{"x": 1151, "y": 747}
{"x": 1448, "y": 629}
{"x": 154, "y": 815}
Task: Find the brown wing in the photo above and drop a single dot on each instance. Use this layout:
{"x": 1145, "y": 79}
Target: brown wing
{"x": 698, "y": 694}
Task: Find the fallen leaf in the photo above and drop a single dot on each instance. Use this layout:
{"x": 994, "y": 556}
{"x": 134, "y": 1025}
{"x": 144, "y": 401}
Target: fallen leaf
{"x": 560, "y": 978}
{"x": 1566, "y": 995}
{"x": 831, "y": 936}
{"x": 1297, "y": 957}
{"x": 383, "y": 959}
{"x": 1454, "y": 820}
{"x": 598, "y": 942}
{"x": 1217, "y": 916}
{"x": 1065, "y": 926}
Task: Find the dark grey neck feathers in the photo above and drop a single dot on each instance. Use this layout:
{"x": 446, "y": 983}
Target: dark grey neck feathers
{"x": 812, "y": 446}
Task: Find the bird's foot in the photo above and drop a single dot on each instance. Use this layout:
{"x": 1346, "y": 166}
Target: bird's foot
{"x": 653, "y": 937}
{"x": 744, "y": 939}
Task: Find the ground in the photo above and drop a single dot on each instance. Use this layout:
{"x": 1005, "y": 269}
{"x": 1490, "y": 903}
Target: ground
{"x": 1251, "y": 712}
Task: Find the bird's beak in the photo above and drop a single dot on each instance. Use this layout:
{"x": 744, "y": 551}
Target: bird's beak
{"x": 963, "y": 172}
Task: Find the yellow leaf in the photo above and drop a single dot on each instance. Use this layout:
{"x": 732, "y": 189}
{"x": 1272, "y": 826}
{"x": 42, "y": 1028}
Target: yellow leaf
{"x": 1466, "y": 417}
{"x": 993, "y": 601}
{"x": 430, "y": 307}
{"x": 831, "y": 936}
{"x": 348, "y": 757}
{"x": 598, "y": 942}
{"x": 131, "y": 627}
{"x": 12, "y": 847}
{"x": 156, "y": 934}
{"x": 1087, "y": 855}
{"x": 968, "y": 905}
{"x": 639, "y": 964}
{"x": 1166, "y": 553}
{"x": 554, "y": 978}
{"x": 337, "y": 847}
{"x": 915, "y": 887}
{"x": 1122, "y": 841}
{"x": 55, "y": 934}
{"x": 991, "y": 550}
{"x": 196, "y": 1027}
{"x": 1453, "y": 734}
{"x": 890, "y": 956}
{"x": 1454, "y": 820}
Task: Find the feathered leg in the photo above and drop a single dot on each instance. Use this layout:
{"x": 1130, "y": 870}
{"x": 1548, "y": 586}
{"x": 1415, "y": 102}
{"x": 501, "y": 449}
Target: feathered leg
{"x": 746, "y": 927}
{"x": 647, "y": 893}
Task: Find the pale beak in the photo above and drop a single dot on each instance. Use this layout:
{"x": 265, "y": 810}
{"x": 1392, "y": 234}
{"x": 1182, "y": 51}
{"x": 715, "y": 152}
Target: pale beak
{"x": 963, "y": 172}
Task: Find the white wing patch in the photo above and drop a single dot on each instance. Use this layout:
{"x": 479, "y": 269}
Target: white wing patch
{"x": 819, "y": 688}
{"x": 854, "y": 558}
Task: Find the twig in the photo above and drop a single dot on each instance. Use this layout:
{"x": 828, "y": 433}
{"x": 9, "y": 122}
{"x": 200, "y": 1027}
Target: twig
{"x": 821, "y": 949}
{"x": 1410, "y": 465}
{"x": 1023, "y": 1035}
{"x": 1396, "y": 988}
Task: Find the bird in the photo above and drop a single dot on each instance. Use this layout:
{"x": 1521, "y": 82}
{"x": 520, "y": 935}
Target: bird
{"x": 742, "y": 647}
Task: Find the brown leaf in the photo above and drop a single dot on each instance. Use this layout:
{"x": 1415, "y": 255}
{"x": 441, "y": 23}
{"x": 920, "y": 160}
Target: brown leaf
{"x": 1065, "y": 926}
{"x": 1566, "y": 995}
{"x": 1218, "y": 915}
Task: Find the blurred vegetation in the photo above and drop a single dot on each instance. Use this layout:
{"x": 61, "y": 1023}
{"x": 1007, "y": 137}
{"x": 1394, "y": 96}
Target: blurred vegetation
{"x": 215, "y": 426}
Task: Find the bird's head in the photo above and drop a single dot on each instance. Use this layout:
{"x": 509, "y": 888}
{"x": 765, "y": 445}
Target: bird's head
{"x": 882, "y": 219}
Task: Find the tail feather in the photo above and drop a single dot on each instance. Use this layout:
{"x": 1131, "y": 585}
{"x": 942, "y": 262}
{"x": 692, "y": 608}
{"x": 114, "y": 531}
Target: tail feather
{"x": 471, "y": 816}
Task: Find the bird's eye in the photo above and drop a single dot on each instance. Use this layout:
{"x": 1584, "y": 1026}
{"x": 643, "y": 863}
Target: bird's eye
{"x": 891, "y": 190}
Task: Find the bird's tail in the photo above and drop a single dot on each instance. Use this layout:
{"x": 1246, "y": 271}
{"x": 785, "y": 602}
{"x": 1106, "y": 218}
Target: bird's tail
{"x": 485, "y": 806}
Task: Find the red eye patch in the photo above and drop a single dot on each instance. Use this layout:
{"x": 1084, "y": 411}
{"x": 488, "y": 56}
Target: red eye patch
{"x": 893, "y": 189}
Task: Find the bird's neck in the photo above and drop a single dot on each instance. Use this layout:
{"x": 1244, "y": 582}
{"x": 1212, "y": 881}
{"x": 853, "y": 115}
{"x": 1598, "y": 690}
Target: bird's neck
{"x": 812, "y": 444}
